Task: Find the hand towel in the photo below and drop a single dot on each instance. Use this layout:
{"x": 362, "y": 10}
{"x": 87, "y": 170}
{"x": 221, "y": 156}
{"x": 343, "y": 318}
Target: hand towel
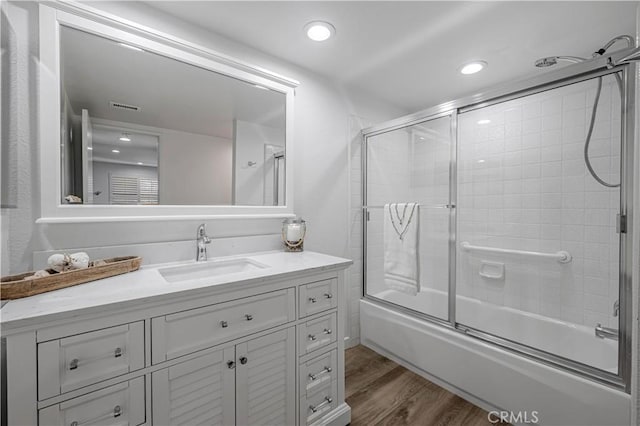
{"x": 401, "y": 247}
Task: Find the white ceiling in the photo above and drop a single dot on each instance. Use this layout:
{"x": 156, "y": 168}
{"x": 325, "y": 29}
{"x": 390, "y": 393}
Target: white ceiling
{"x": 408, "y": 53}
{"x": 171, "y": 94}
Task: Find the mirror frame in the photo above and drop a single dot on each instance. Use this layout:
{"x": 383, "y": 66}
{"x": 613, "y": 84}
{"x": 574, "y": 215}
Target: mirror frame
{"x": 96, "y": 22}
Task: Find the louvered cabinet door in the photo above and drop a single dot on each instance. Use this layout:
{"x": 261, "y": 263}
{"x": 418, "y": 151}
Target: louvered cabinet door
{"x": 200, "y": 391}
{"x": 265, "y": 380}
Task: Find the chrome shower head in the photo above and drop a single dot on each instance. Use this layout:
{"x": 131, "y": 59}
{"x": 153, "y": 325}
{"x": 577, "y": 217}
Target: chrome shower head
{"x": 546, "y": 62}
{"x": 553, "y": 60}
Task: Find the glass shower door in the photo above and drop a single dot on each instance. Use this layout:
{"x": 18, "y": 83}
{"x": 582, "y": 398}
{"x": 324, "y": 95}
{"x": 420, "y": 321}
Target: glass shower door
{"x": 537, "y": 247}
{"x": 410, "y": 165}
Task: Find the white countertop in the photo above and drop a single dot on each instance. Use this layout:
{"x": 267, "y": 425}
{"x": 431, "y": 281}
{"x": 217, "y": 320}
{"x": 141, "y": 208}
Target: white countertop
{"x": 147, "y": 285}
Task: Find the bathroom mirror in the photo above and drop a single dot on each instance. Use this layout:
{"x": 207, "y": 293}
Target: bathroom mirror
{"x": 151, "y": 126}
{"x": 138, "y": 121}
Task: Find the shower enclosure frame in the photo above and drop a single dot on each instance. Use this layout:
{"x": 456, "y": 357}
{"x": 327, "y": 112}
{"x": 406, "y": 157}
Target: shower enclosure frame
{"x": 558, "y": 78}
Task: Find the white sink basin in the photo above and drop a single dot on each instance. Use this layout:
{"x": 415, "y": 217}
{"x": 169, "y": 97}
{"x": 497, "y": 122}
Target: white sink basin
{"x": 212, "y": 268}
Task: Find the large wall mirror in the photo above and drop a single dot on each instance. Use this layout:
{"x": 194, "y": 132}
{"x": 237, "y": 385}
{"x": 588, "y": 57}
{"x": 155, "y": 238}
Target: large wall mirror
{"x": 145, "y": 124}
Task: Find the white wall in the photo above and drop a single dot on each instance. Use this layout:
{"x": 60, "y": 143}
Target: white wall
{"x": 194, "y": 169}
{"x": 321, "y": 148}
{"x": 249, "y": 140}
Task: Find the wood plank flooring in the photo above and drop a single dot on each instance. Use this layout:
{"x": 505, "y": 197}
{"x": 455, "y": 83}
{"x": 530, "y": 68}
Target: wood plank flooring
{"x": 381, "y": 392}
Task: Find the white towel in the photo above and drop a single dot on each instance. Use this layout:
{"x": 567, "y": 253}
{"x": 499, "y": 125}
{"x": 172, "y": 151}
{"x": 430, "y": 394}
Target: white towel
{"x": 401, "y": 248}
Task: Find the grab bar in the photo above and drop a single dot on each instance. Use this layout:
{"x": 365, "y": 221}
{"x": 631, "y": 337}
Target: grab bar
{"x": 561, "y": 256}
{"x": 606, "y": 332}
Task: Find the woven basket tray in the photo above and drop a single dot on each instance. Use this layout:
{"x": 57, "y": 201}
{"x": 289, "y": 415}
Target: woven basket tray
{"x": 16, "y": 287}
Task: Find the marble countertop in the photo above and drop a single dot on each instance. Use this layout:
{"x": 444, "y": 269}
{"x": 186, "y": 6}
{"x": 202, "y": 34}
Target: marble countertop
{"x": 148, "y": 285}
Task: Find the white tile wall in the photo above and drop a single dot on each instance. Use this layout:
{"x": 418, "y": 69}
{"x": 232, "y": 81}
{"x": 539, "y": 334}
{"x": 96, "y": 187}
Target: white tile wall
{"x": 523, "y": 185}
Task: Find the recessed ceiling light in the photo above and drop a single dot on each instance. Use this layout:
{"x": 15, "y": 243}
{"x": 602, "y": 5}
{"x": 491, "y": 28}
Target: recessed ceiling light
{"x": 128, "y": 46}
{"x": 485, "y": 121}
{"x": 480, "y": 161}
{"x": 139, "y": 163}
{"x": 115, "y": 151}
{"x": 473, "y": 67}
{"x": 319, "y": 30}
{"x": 125, "y": 137}
{"x": 90, "y": 148}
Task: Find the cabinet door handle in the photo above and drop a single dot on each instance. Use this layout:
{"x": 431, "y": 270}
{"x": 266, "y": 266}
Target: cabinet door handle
{"x": 248, "y": 317}
{"x": 224, "y": 324}
{"x": 243, "y": 360}
{"x": 117, "y": 353}
{"x": 231, "y": 364}
{"x": 73, "y": 364}
{"x": 328, "y": 295}
{"x": 312, "y": 300}
{"x": 324, "y": 371}
{"x": 327, "y": 400}
{"x": 312, "y": 337}
{"x": 327, "y": 331}
{"x": 117, "y": 411}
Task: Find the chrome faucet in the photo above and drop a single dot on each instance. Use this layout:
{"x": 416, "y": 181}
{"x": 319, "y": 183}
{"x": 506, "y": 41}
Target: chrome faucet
{"x": 202, "y": 240}
{"x": 606, "y": 332}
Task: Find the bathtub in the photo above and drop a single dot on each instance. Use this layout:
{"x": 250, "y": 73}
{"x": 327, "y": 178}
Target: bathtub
{"x": 571, "y": 341}
{"x": 492, "y": 377}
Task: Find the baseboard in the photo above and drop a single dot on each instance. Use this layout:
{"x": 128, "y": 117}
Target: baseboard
{"x": 351, "y": 342}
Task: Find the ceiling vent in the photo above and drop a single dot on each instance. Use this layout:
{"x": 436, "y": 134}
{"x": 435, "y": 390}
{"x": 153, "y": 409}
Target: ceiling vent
{"x": 126, "y": 107}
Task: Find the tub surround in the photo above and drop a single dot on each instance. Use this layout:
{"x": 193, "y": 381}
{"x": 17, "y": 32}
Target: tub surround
{"x": 286, "y": 316}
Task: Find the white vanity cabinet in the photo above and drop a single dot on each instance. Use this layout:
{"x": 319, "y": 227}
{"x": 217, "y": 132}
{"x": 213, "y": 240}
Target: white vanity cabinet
{"x": 250, "y": 383}
{"x": 263, "y": 352}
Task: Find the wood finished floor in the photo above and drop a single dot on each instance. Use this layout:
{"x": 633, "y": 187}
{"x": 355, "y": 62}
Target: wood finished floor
{"x": 381, "y": 392}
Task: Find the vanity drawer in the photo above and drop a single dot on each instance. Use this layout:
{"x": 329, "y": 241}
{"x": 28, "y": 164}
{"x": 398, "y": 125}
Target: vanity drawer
{"x": 318, "y": 297}
{"x": 189, "y": 331}
{"x": 121, "y": 404}
{"x": 318, "y": 372}
{"x": 81, "y": 360}
{"x": 317, "y": 333}
{"x": 318, "y": 404}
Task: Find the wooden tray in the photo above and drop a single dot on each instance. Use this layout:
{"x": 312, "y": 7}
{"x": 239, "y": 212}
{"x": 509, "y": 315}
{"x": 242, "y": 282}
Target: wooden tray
{"x": 16, "y": 287}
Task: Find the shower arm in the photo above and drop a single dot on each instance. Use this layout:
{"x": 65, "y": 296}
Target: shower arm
{"x": 630, "y": 43}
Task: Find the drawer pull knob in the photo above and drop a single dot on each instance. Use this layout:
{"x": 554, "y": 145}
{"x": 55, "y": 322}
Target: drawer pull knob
{"x": 327, "y": 400}
{"x": 117, "y": 353}
{"x": 243, "y": 360}
{"x": 328, "y": 295}
{"x": 73, "y": 364}
{"x": 312, "y": 337}
{"x": 312, "y": 300}
{"x": 327, "y": 331}
{"x": 231, "y": 364}
{"x": 117, "y": 411}
{"x": 224, "y": 324}
{"x": 324, "y": 371}
{"x": 249, "y": 317}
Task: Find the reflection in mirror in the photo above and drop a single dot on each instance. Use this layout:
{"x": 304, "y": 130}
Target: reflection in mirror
{"x": 141, "y": 128}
